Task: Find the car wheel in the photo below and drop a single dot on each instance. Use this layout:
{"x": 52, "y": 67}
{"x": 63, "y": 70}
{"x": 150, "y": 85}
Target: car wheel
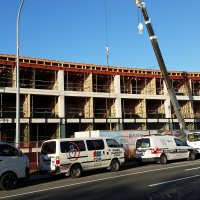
{"x": 75, "y": 171}
{"x": 114, "y": 166}
{"x": 163, "y": 159}
{"x": 8, "y": 181}
{"x": 192, "y": 156}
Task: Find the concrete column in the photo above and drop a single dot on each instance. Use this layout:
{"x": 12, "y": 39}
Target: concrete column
{"x": 61, "y": 106}
{"x": 61, "y": 103}
{"x": 165, "y": 88}
{"x": 167, "y": 105}
{"x": 88, "y": 108}
{"x": 61, "y": 98}
{"x": 118, "y": 104}
{"x": 27, "y": 106}
{"x": 118, "y": 107}
{"x": 60, "y": 80}
{"x": 117, "y": 86}
{"x": 168, "y": 113}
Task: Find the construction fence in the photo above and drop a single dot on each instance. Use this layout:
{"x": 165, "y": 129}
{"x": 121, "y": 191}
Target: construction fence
{"x": 32, "y": 151}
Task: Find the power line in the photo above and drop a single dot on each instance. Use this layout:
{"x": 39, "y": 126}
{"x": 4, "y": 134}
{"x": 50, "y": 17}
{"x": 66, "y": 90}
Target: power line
{"x": 106, "y": 24}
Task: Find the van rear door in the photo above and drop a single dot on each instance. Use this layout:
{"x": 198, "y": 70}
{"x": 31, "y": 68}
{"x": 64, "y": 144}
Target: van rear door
{"x": 48, "y": 156}
{"x": 142, "y": 147}
{"x": 181, "y": 149}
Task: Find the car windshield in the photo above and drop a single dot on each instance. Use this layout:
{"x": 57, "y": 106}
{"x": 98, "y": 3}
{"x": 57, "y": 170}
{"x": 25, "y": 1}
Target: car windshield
{"x": 194, "y": 137}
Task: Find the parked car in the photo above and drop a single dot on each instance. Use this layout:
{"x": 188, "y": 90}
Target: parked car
{"x": 71, "y": 156}
{"x": 14, "y": 165}
{"x": 193, "y": 140}
{"x": 163, "y": 148}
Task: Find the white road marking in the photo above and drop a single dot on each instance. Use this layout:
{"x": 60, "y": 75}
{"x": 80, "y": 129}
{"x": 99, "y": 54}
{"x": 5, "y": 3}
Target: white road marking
{"x": 179, "y": 179}
{"x": 96, "y": 180}
{"x": 192, "y": 168}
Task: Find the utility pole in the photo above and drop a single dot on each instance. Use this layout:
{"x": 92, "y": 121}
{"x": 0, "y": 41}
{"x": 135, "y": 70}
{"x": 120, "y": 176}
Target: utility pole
{"x": 17, "y": 135}
{"x": 153, "y": 38}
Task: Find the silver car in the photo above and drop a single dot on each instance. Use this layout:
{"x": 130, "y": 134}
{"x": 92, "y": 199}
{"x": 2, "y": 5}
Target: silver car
{"x": 14, "y": 165}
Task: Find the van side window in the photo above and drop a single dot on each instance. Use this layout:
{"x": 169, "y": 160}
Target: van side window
{"x": 180, "y": 142}
{"x": 95, "y": 144}
{"x": 112, "y": 143}
{"x": 8, "y": 150}
{"x": 67, "y": 146}
{"x": 48, "y": 148}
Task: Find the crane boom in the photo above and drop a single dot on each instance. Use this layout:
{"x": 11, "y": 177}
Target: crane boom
{"x": 152, "y": 36}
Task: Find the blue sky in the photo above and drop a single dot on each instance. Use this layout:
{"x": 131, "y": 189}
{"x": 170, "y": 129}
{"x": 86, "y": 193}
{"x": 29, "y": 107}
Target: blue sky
{"x": 75, "y": 31}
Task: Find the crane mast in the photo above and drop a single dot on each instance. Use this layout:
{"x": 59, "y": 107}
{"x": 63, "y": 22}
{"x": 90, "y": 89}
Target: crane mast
{"x": 153, "y": 38}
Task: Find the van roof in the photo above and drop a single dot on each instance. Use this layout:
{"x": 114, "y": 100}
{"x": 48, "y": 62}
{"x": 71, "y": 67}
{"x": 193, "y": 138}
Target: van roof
{"x": 195, "y": 133}
{"x": 158, "y": 136}
{"x": 81, "y": 138}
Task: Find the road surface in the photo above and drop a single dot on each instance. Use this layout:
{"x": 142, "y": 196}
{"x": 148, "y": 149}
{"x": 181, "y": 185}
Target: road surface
{"x": 176, "y": 180}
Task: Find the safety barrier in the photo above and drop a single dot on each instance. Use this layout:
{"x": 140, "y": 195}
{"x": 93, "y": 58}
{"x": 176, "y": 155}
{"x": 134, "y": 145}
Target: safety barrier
{"x": 32, "y": 150}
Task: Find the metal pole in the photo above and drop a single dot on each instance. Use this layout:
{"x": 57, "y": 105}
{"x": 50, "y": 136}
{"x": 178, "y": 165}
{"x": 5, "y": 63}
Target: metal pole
{"x": 17, "y": 136}
{"x": 37, "y": 163}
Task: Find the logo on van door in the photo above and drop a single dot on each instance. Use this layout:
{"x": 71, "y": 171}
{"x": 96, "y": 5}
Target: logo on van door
{"x": 74, "y": 151}
{"x": 97, "y": 156}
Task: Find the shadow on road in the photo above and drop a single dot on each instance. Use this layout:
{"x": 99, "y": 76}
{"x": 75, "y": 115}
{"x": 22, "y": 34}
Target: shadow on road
{"x": 37, "y": 178}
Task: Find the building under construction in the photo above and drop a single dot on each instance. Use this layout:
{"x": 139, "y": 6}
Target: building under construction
{"x": 58, "y": 98}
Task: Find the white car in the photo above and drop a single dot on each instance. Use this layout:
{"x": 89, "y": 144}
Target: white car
{"x": 163, "y": 148}
{"x": 14, "y": 165}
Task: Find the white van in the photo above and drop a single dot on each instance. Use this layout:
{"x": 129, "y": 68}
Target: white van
{"x": 14, "y": 165}
{"x": 163, "y": 148}
{"x": 74, "y": 155}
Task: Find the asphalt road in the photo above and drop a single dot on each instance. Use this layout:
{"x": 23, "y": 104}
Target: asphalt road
{"x": 176, "y": 180}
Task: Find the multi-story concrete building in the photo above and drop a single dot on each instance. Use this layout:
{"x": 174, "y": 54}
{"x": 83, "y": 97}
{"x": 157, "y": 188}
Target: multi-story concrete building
{"x": 58, "y": 98}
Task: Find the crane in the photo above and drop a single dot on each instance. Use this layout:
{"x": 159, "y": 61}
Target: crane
{"x": 154, "y": 42}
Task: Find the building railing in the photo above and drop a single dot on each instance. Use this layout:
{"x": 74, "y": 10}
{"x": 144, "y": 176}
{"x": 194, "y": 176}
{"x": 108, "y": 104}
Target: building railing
{"x": 101, "y": 88}
{"x": 75, "y": 113}
{"x": 130, "y": 113}
{"x": 74, "y": 87}
{"x": 44, "y": 113}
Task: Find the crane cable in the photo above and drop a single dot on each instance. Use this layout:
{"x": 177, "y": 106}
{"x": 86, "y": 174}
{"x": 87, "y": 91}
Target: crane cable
{"x": 107, "y": 62}
{"x": 140, "y": 25}
{"x": 107, "y": 47}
